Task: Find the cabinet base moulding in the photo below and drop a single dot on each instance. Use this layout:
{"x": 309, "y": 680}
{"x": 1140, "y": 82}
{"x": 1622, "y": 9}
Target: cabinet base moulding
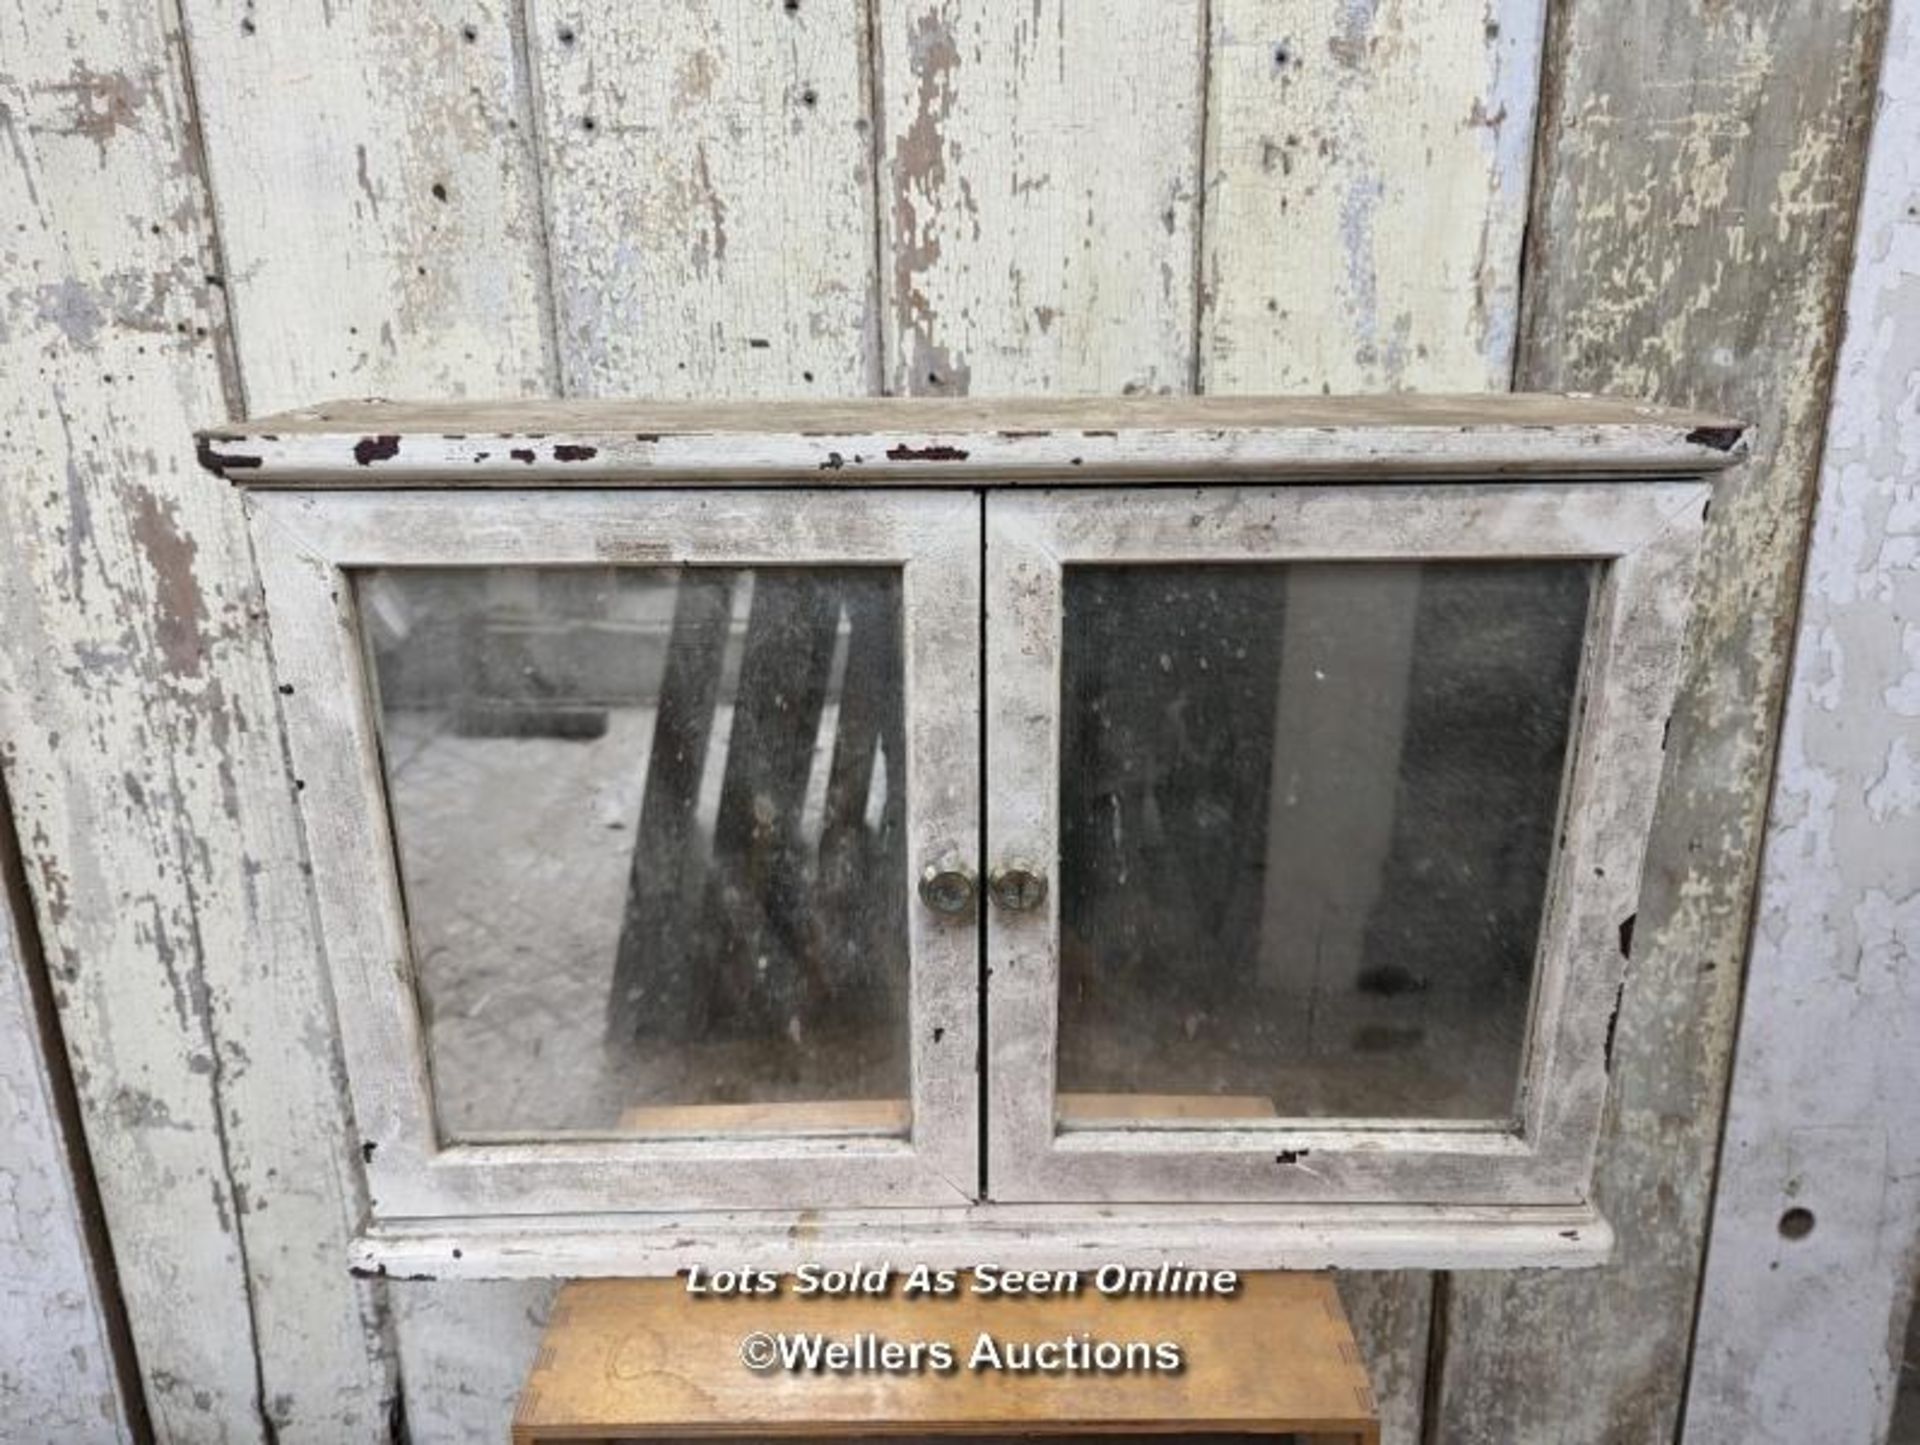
{"x": 1014, "y": 1236}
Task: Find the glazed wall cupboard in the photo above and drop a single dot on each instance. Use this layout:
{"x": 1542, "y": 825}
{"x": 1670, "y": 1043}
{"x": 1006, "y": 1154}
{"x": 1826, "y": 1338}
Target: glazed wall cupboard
{"x": 977, "y": 829}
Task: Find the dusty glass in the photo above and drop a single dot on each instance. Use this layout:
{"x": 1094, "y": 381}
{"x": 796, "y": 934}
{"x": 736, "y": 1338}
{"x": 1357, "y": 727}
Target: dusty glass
{"x": 651, "y": 833}
{"x": 1307, "y": 816}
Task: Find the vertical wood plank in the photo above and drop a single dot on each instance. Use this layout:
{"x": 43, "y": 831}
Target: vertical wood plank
{"x": 398, "y": 141}
{"x": 858, "y": 932}
{"x": 1800, "y": 1331}
{"x": 1038, "y": 187}
{"x": 1905, "y": 1427}
{"x": 143, "y": 756}
{"x": 374, "y": 177}
{"x": 1391, "y": 1315}
{"x": 375, "y": 171}
{"x": 1690, "y": 244}
{"x": 1367, "y": 167}
{"x": 709, "y": 177}
{"x": 1347, "y": 660}
{"x": 58, "y": 1370}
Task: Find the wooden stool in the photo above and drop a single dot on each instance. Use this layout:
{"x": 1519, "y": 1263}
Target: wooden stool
{"x": 642, "y": 1359}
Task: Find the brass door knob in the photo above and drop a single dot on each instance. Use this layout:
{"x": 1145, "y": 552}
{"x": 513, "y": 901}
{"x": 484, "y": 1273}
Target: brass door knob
{"x": 1017, "y": 886}
{"x": 948, "y": 887}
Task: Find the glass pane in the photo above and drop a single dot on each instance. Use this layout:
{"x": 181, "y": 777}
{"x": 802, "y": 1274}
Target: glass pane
{"x": 1307, "y": 812}
{"x": 651, "y": 828}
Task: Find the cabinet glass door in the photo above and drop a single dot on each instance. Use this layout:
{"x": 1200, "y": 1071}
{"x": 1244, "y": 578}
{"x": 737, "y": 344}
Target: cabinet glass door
{"x": 1306, "y": 812}
{"x": 1282, "y": 835}
{"x": 651, "y": 826}
{"x": 650, "y": 784}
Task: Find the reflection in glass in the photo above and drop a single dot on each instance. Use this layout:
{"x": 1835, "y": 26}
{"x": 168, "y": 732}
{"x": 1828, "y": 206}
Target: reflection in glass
{"x": 1307, "y": 814}
{"x": 650, "y": 824}
{"x": 1906, "y": 1401}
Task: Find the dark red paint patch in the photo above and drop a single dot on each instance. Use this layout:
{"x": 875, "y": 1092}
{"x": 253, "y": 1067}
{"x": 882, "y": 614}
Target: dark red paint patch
{"x": 369, "y": 450}
{"x": 220, "y": 463}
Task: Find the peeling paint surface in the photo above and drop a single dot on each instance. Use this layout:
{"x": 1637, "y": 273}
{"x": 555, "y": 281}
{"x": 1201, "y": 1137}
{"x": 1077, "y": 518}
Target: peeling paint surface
{"x": 465, "y": 1349}
{"x": 1039, "y": 188}
{"x": 1366, "y": 193}
{"x": 376, "y": 192}
{"x": 1690, "y": 243}
{"x": 760, "y": 198}
{"x": 1795, "y": 1331}
{"x": 57, "y": 1379}
{"x": 707, "y": 171}
{"x": 142, "y": 756}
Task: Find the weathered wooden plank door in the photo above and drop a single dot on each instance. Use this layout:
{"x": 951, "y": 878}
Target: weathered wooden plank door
{"x": 221, "y": 206}
{"x": 143, "y": 758}
{"x": 68, "y": 1371}
{"x": 1685, "y": 242}
{"x": 1814, "y": 1256}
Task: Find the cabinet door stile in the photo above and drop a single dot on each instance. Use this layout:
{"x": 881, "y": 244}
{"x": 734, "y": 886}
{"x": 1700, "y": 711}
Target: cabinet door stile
{"x": 1023, "y": 580}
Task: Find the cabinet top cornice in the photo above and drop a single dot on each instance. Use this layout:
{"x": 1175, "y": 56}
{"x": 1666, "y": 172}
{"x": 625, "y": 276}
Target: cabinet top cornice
{"x": 970, "y": 441}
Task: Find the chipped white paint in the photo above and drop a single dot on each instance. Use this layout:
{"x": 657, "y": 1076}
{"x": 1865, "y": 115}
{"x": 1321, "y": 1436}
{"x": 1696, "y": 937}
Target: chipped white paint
{"x": 1644, "y": 525}
{"x": 1404, "y": 128}
{"x": 939, "y": 442}
{"x": 1367, "y": 166}
{"x": 1268, "y": 1236}
{"x": 1038, "y": 189}
{"x": 57, "y": 1377}
{"x": 372, "y": 170}
{"x": 1689, "y": 242}
{"x": 707, "y": 179}
{"x": 708, "y": 171}
{"x": 709, "y": 207}
{"x": 405, "y": 139}
{"x": 1391, "y": 1312}
{"x": 1801, "y": 1338}
{"x": 145, "y": 765}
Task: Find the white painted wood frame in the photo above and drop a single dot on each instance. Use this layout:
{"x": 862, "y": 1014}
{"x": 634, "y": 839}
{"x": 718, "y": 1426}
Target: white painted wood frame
{"x": 949, "y": 441}
{"x": 1645, "y": 533}
{"x": 1013, "y": 1236}
{"x": 309, "y": 545}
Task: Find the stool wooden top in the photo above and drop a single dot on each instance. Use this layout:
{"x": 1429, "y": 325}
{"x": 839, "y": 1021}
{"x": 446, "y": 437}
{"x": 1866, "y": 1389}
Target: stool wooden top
{"x": 641, "y": 1358}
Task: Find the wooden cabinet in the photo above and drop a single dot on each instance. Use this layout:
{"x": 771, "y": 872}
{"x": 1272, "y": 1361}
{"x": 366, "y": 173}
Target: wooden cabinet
{"x": 1209, "y": 826}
